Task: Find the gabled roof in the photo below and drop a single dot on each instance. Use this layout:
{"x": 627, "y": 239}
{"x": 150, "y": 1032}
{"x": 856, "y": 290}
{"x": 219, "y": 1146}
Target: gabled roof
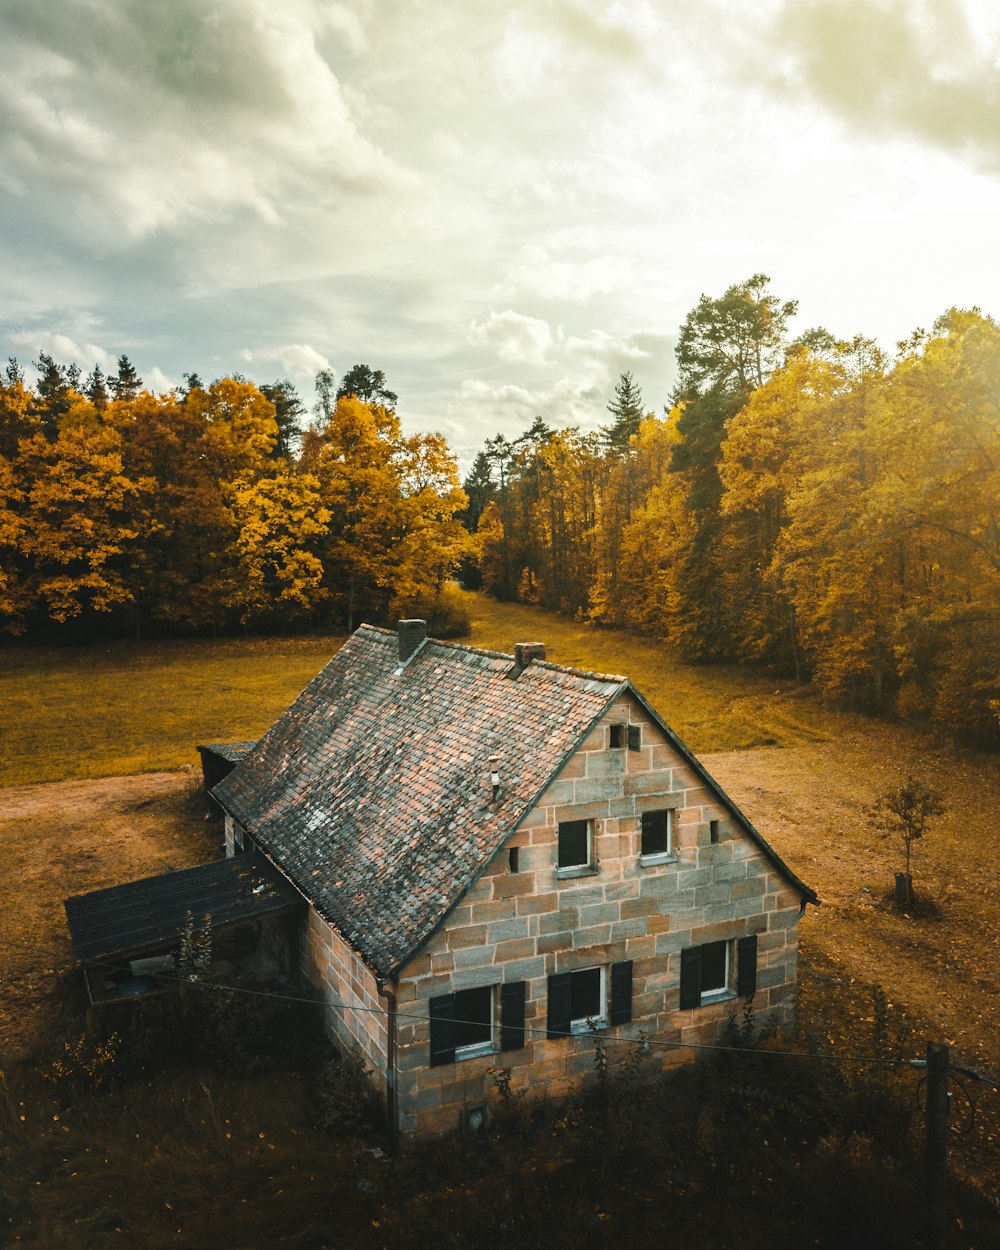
{"x": 127, "y": 919}
{"x": 372, "y": 792}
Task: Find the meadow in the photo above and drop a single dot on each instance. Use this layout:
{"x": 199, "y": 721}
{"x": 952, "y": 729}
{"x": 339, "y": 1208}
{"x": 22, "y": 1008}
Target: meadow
{"x": 109, "y": 709}
{"x": 229, "y": 1159}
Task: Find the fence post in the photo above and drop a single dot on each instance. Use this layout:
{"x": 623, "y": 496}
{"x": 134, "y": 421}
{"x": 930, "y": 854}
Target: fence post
{"x": 937, "y": 1145}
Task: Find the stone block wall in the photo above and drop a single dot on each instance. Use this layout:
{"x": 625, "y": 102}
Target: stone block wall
{"x": 356, "y": 1016}
{"x": 530, "y": 924}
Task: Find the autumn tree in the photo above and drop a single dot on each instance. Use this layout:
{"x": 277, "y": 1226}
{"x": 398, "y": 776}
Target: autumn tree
{"x": 81, "y": 532}
{"x": 727, "y": 347}
{"x": 392, "y": 503}
{"x": 904, "y": 814}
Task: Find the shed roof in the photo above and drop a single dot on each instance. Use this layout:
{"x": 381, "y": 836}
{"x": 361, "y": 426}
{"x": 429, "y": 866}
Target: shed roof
{"x": 139, "y": 915}
{"x": 373, "y": 790}
{"x": 231, "y": 752}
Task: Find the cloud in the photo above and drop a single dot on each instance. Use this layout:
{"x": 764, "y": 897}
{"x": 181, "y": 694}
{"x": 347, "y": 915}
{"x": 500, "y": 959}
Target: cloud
{"x": 298, "y": 360}
{"x": 537, "y": 272}
{"x": 154, "y": 115}
{"x": 925, "y": 71}
{"x": 573, "y": 388}
{"x": 514, "y": 337}
{"x": 157, "y": 381}
{"x": 63, "y": 349}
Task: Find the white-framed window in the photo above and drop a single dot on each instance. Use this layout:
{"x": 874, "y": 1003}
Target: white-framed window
{"x": 718, "y": 970}
{"x": 576, "y": 846}
{"x": 589, "y": 998}
{"x": 656, "y": 831}
{"x": 477, "y": 1021}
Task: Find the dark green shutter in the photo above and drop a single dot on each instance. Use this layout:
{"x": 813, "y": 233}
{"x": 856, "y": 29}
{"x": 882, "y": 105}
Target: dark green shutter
{"x": 559, "y": 1004}
{"x": 634, "y": 737}
{"x": 691, "y": 977}
{"x": 746, "y": 966}
{"x": 512, "y": 1016}
{"x": 621, "y": 992}
{"x": 442, "y": 1015}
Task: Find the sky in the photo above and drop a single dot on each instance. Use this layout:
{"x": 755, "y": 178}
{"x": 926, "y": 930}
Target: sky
{"x": 501, "y": 205}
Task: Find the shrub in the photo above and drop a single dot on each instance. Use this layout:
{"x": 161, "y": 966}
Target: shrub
{"x": 347, "y": 1102}
{"x": 446, "y": 612}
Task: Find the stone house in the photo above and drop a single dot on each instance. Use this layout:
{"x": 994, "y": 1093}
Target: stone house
{"x": 503, "y": 857}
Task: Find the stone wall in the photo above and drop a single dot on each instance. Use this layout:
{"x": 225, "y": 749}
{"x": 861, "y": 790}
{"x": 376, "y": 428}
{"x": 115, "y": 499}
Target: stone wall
{"x": 527, "y": 925}
{"x": 356, "y": 1014}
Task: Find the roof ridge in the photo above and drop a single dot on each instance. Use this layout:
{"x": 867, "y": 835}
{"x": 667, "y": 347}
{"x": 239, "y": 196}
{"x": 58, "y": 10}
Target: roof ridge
{"x": 589, "y": 674}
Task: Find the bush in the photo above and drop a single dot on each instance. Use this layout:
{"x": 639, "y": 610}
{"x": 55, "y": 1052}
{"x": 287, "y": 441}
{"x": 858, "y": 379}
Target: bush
{"x": 446, "y": 612}
{"x": 347, "y": 1102}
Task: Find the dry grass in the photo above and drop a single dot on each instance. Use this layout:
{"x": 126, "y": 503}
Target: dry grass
{"x": 76, "y": 713}
{"x": 712, "y": 707}
{"x": 102, "y": 710}
{"x": 137, "y": 707}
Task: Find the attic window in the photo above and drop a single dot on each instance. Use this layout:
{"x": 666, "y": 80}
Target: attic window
{"x": 512, "y": 859}
{"x": 713, "y": 831}
{"x": 617, "y": 738}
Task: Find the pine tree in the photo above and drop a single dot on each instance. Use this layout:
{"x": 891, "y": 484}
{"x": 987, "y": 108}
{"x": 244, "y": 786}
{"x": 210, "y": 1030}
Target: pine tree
{"x": 626, "y": 408}
{"x": 126, "y": 383}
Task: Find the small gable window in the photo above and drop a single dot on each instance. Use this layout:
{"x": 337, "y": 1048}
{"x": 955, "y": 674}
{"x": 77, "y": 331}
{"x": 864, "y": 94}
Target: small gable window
{"x": 467, "y": 1023}
{"x": 718, "y": 970}
{"x": 657, "y": 835}
{"x": 575, "y": 844}
{"x": 616, "y": 738}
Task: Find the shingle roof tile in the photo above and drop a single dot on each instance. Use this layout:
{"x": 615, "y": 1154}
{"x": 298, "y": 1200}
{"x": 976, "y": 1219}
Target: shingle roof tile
{"x": 373, "y": 790}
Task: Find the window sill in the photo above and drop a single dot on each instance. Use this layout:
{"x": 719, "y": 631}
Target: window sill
{"x": 716, "y": 996}
{"x": 474, "y": 1052}
{"x": 663, "y": 857}
{"x": 578, "y": 870}
{"x": 587, "y": 1026}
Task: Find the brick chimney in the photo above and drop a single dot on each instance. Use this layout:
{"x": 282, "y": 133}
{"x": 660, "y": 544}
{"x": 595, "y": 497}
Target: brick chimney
{"x": 411, "y": 635}
{"x": 524, "y": 653}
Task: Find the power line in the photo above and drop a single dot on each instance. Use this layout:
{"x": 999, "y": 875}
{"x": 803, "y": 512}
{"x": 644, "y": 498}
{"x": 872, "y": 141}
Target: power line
{"x": 644, "y": 1042}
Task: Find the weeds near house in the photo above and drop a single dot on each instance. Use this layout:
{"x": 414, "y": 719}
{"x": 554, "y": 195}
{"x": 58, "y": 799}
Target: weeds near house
{"x": 86, "y": 1061}
{"x": 348, "y": 1105}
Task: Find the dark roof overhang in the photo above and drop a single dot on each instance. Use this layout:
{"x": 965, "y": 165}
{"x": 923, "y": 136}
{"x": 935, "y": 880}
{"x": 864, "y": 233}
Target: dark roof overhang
{"x": 146, "y": 915}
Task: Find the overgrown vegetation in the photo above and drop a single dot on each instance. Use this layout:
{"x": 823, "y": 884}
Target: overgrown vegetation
{"x": 739, "y": 1151}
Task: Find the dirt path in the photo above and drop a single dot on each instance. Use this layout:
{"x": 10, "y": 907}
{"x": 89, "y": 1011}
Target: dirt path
{"x": 808, "y": 800}
{"x": 66, "y": 838}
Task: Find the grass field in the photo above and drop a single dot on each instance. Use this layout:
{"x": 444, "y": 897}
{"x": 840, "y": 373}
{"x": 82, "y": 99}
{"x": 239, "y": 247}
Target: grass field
{"x": 135, "y": 707}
